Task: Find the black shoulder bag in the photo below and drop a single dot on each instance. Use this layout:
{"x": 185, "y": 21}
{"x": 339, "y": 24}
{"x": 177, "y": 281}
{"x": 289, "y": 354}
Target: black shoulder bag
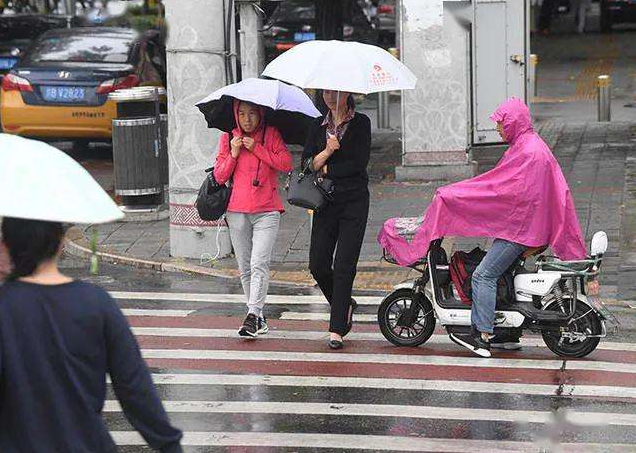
{"x": 307, "y": 189}
{"x": 213, "y": 197}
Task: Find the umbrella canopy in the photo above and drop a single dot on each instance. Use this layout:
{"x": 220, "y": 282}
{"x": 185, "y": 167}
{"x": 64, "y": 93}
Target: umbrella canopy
{"x": 40, "y": 182}
{"x": 288, "y": 108}
{"x": 341, "y": 66}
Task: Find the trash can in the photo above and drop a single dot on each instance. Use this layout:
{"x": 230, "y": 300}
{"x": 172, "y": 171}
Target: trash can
{"x": 140, "y": 151}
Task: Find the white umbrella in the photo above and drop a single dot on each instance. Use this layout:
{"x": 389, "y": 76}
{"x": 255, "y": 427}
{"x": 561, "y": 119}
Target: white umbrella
{"x": 341, "y": 66}
{"x": 40, "y": 182}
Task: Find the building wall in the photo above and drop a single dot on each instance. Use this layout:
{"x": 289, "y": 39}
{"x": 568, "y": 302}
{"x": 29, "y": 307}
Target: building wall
{"x": 435, "y": 46}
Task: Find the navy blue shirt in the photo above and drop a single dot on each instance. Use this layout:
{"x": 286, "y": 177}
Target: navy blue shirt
{"x": 56, "y": 345}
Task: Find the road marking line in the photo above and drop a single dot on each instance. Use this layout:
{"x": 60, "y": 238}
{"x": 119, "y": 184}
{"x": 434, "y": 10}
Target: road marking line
{"x": 397, "y": 359}
{"x": 162, "y": 313}
{"x": 363, "y": 442}
{"x": 391, "y": 383}
{"x": 390, "y": 410}
{"x": 298, "y": 316}
{"x": 234, "y": 298}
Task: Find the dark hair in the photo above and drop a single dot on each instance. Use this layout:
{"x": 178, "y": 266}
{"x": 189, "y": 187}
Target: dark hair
{"x": 30, "y": 242}
{"x": 322, "y": 107}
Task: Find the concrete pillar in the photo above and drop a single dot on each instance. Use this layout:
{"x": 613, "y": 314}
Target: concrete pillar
{"x": 71, "y": 7}
{"x": 251, "y": 45}
{"x": 196, "y": 67}
{"x": 435, "y": 45}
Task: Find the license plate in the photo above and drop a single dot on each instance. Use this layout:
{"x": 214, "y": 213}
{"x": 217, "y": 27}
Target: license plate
{"x": 7, "y": 63}
{"x": 301, "y": 37}
{"x": 63, "y": 94}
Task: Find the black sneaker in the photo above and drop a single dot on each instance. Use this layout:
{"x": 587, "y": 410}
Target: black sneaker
{"x": 262, "y": 326}
{"x": 249, "y": 327}
{"x": 506, "y": 341}
{"x": 473, "y": 342}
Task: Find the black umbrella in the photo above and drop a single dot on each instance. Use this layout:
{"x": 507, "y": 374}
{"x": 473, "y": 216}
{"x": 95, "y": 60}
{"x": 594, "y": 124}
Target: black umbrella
{"x": 287, "y": 107}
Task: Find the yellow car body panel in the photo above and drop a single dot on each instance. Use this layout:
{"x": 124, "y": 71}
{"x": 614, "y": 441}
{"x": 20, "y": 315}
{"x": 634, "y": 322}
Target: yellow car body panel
{"x": 60, "y": 121}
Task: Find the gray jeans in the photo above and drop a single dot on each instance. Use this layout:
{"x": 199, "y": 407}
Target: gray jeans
{"x": 253, "y": 237}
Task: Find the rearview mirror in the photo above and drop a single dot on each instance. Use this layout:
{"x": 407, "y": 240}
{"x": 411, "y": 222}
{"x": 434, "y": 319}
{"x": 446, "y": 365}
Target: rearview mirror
{"x": 599, "y": 243}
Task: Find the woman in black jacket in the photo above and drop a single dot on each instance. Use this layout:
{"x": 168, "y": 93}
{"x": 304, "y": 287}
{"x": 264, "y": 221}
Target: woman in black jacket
{"x": 338, "y": 145}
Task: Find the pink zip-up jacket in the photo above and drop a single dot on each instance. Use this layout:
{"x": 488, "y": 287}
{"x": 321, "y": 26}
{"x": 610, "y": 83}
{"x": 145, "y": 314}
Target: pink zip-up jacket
{"x": 270, "y": 150}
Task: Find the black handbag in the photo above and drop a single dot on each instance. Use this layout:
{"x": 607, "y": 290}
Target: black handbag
{"x": 306, "y": 189}
{"x": 213, "y": 198}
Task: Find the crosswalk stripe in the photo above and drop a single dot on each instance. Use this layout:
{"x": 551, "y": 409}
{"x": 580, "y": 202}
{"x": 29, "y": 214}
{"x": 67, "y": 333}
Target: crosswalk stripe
{"x": 272, "y": 299}
{"x": 363, "y": 442}
{"x": 390, "y": 410}
{"x": 317, "y": 335}
{"x": 376, "y": 383}
{"x": 162, "y": 313}
{"x": 298, "y": 316}
{"x": 260, "y": 356}
{"x": 393, "y": 383}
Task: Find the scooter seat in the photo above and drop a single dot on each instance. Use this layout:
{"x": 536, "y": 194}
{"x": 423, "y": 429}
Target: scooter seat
{"x": 534, "y": 251}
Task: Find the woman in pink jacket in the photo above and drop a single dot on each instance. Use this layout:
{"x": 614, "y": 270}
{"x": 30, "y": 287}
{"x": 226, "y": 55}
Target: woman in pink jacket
{"x": 251, "y": 158}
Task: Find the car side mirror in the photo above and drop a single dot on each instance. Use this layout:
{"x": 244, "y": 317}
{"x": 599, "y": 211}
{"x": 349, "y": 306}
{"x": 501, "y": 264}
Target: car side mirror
{"x": 599, "y": 243}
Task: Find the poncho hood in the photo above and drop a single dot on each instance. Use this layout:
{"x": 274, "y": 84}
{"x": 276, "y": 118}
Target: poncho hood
{"x": 524, "y": 199}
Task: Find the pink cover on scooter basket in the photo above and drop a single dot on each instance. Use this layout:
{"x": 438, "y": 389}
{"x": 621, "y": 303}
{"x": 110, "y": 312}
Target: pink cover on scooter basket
{"x": 524, "y": 199}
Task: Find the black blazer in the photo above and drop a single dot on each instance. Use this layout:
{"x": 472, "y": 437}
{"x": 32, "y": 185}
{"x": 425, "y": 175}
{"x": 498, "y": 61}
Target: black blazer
{"x": 347, "y": 167}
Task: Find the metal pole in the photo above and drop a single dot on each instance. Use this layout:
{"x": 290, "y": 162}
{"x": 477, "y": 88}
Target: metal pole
{"x": 604, "y": 83}
{"x": 383, "y": 110}
{"x": 384, "y": 115}
{"x": 534, "y": 61}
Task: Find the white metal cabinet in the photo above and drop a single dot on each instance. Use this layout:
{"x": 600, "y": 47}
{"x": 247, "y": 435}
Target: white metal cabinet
{"x": 499, "y": 60}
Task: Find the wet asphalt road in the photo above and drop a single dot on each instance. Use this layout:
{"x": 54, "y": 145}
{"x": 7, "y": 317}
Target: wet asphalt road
{"x": 286, "y": 392}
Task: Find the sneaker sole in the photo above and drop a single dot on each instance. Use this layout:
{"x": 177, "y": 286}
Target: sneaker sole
{"x": 506, "y": 346}
{"x": 262, "y": 331}
{"x": 245, "y": 334}
{"x": 480, "y": 352}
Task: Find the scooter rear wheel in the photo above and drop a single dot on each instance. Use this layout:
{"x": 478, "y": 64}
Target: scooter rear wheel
{"x": 391, "y": 317}
{"x": 585, "y": 321}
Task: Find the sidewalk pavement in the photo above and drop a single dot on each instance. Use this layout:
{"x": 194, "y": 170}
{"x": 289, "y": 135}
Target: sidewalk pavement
{"x": 598, "y": 160}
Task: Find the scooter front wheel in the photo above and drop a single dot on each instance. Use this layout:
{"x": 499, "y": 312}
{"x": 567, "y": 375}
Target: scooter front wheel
{"x": 399, "y": 324}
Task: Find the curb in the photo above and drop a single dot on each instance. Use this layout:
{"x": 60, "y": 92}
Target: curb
{"x": 74, "y": 248}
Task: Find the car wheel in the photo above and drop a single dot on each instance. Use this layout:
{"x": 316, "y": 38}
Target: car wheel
{"x": 80, "y": 145}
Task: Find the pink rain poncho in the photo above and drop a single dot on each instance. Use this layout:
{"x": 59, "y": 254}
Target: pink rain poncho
{"x": 524, "y": 199}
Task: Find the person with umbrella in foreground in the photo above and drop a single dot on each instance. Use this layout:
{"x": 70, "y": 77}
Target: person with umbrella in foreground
{"x": 259, "y": 117}
{"x": 59, "y": 336}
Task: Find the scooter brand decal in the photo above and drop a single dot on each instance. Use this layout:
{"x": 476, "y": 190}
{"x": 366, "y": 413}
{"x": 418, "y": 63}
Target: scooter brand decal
{"x": 537, "y": 281}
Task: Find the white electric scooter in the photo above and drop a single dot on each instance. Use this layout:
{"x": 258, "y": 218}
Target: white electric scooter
{"x": 550, "y": 299}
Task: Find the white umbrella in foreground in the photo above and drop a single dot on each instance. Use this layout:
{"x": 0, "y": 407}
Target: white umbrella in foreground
{"x": 341, "y": 66}
{"x": 40, "y": 182}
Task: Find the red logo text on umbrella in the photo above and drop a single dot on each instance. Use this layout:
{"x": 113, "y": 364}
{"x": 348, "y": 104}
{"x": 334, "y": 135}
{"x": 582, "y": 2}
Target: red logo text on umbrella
{"x": 381, "y": 77}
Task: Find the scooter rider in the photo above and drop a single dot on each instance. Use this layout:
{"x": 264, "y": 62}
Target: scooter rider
{"x": 515, "y": 127}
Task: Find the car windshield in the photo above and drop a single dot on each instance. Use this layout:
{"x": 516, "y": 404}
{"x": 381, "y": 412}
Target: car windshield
{"x": 26, "y": 28}
{"x": 82, "y": 49}
{"x": 295, "y": 10}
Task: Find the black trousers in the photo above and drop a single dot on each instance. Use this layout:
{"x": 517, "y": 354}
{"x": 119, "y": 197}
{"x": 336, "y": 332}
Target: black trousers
{"x": 338, "y": 227}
